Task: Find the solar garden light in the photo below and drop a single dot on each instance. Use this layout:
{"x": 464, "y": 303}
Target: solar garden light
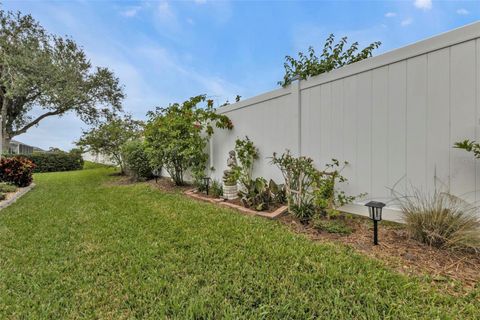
{"x": 156, "y": 174}
{"x": 375, "y": 213}
{"x": 206, "y": 183}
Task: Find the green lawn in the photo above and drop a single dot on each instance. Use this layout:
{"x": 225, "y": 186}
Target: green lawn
{"x": 80, "y": 247}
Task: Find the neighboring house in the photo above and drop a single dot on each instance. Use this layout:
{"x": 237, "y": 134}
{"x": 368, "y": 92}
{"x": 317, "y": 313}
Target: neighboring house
{"x": 17, "y": 147}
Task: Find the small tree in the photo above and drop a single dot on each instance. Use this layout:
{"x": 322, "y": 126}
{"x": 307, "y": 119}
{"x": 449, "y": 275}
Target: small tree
{"x": 300, "y": 176}
{"x": 247, "y": 153}
{"x": 176, "y": 136}
{"x": 50, "y": 73}
{"x": 109, "y": 137}
{"x": 332, "y": 57}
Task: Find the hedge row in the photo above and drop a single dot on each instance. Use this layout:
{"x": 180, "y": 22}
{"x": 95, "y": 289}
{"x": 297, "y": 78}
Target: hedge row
{"x": 54, "y": 161}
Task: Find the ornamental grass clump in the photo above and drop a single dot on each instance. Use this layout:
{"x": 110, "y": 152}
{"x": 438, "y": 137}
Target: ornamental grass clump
{"x": 441, "y": 220}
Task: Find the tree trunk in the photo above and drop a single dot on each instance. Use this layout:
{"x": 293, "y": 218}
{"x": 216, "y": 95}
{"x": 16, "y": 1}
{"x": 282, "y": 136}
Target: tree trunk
{"x": 5, "y": 143}
{"x": 3, "y": 126}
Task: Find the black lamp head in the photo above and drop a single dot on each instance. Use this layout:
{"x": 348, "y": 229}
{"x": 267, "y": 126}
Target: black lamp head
{"x": 375, "y": 210}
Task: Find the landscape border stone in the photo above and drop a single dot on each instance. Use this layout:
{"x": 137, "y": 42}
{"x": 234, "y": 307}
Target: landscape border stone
{"x": 269, "y": 215}
{"x": 16, "y": 196}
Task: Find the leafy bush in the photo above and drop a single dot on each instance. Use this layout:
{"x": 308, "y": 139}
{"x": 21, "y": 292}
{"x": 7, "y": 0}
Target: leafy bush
{"x": 3, "y": 196}
{"x": 331, "y": 226}
{"x": 7, "y": 188}
{"x": 441, "y": 220}
{"x": 260, "y": 195}
{"x": 177, "y": 136}
{"x": 309, "y": 190}
{"x": 216, "y": 189}
{"x": 136, "y": 160}
{"x": 54, "y": 161}
{"x": 332, "y": 57}
{"x": 16, "y": 170}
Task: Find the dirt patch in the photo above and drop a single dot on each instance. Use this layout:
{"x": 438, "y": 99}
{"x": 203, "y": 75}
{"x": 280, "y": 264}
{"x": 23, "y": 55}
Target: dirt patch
{"x": 402, "y": 253}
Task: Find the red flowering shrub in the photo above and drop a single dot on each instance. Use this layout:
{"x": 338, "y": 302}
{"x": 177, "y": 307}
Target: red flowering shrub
{"x": 17, "y": 170}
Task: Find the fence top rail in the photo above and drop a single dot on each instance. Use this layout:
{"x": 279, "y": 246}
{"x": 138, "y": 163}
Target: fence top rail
{"x": 441, "y": 41}
{"x": 444, "y": 40}
{"x": 270, "y": 95}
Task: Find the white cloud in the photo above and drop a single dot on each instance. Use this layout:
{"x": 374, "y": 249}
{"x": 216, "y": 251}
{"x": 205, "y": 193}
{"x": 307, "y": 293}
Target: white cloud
{"x": 167, "y": 63}
{"x": 390, "y": 14}
{"x": 406, "y": 22}
{"x": 462, "y": 12}
{"x": 164, "y": 11}
{"x": 423, "y": 4}
{"x": 130, "y": 12}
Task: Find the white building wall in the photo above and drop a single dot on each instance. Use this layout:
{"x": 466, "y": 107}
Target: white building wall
{"x": 394, "y": 117}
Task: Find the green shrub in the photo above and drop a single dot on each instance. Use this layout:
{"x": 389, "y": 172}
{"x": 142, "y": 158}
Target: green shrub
{"x": 216, "y": 189}
{"x": 331, "y": 225}
{"x": 7, "y": 188}
{"x": 441, "y": 220}
{"x": 136, "y": 160}
{"x": 54, "y": 161}
{"x": 17, "y": 170}
{"x": 3, "y": 196}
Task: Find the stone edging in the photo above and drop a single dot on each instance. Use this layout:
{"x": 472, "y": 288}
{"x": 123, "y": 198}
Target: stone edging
{"x": 270, "y": 215}
{"x": 16, "y": 196}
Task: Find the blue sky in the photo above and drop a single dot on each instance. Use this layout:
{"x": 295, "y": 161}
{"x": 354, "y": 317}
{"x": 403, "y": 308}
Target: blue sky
{"x": 167, "y": 51}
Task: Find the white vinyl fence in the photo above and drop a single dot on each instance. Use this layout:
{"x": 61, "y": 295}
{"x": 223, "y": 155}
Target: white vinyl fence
{"x": 393, "y": 117}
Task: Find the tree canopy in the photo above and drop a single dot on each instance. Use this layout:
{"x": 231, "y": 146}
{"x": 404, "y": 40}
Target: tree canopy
{"x": 109, "y": 137}
{"x": 176, "y": 136}
{"x": 333, "y": 56}
{"x": 43, "y": 75}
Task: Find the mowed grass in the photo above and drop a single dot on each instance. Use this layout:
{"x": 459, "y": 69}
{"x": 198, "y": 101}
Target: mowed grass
{"x": 79, "y": 247}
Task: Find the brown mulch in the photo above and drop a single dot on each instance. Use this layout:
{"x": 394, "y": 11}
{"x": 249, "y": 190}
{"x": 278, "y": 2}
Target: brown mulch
{"x": 402, "y": 253}
{"x": 167, "y": 185}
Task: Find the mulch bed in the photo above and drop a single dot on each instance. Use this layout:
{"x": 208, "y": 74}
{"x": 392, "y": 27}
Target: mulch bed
{"x": 402, "y": 253}
{"x": 166, "y": 184}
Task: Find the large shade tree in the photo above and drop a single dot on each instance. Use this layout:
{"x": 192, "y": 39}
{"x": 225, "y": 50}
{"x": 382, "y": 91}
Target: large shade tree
{"x": 44, "y": 75}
